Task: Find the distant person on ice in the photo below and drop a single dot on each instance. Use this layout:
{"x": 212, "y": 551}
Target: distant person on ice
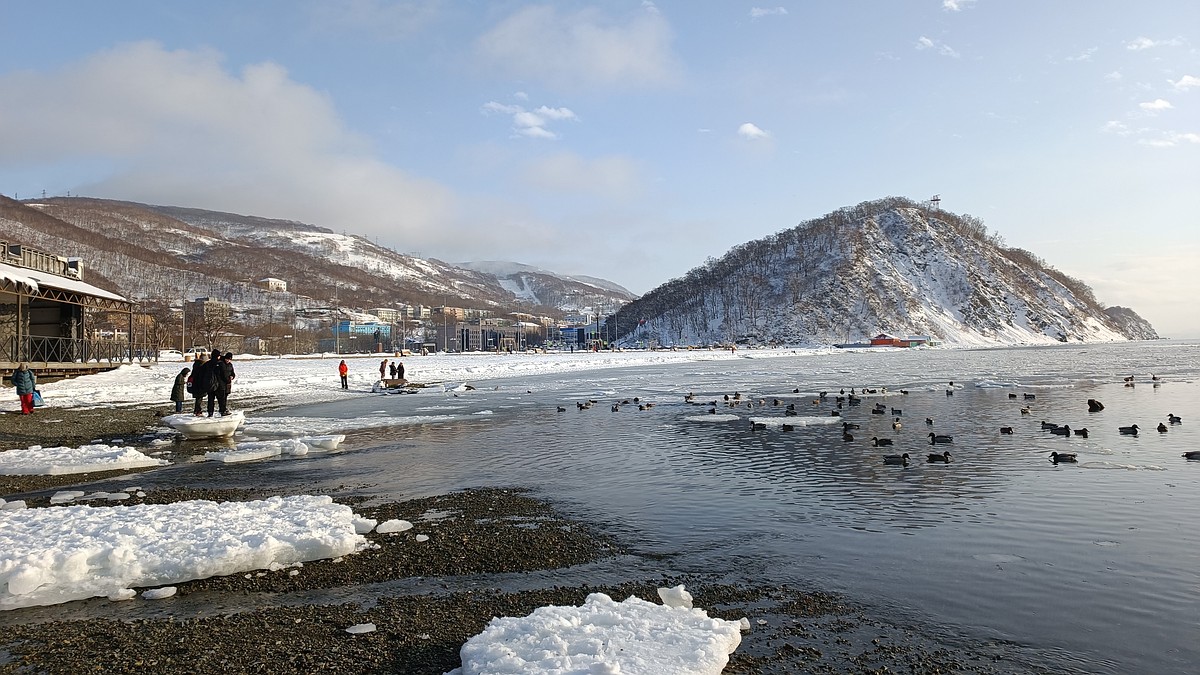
{"x": 383, "y": 369}
{"x": 399, "y": 370}
{"x": 343, "y": 370}
{"x": 25, "y": 381}
{"x": 179, "y": 391}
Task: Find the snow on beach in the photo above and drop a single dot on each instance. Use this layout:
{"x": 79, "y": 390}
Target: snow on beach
{"x": 606, "y": 637}
{"x": 302, "y": 380}
{"x": 37, "y": 460}
{"x": 53, "y": 555}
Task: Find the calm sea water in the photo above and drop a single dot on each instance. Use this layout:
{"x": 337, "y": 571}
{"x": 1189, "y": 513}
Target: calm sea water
{"x": 1095, "y": 565}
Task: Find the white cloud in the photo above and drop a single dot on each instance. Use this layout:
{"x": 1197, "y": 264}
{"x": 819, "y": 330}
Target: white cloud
{"x": 1155, "y": 105}
{"x": 1114, "y": 76}
{"x": 586, "y": 48}
{"x": 1186, "y": 82}
{"x": 752, "y": 132}
{"x": 1170, "y": 139}
{"x": 530, "y": 123}
{"x": 521, "y": 96}
{"x": 759, "y": 12}
{"x": 1116, "y": 127}
{"x": 1142, "y": 42}
{"x": 924, "y": 43}
{"x": 1085, "y": 55}
{"x": 956, "y": 5}
{"x": 175, "y": 127}
{"x": 613, "y": 178}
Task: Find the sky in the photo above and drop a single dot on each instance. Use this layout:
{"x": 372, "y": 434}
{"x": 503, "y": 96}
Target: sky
{"x": 629, "y": 140}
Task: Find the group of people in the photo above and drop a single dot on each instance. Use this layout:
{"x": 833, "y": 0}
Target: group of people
{"x": 211, "y": 379}
{"x": 394, "y": 368}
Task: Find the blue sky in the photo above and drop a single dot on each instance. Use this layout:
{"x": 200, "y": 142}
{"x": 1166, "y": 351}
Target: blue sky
{"x": 630, "y": 140}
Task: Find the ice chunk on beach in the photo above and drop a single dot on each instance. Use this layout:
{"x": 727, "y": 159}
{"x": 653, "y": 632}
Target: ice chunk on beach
{"x": 159, "y": 593}
{"x": 64, "y": 496}
{"x": 604, "y": 636}
{"x": 38, "y": 461}
{"x": 360, "y": 628}
{"x": 390, "y": 526}
{"x": 364, "y": 525}
{"x": 676, "y": 597}
{"x": 73, "y": 552}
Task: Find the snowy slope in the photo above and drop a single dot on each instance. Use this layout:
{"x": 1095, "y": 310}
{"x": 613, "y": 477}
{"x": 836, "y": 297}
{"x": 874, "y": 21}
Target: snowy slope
{"x": 890, "y": 266}
{"x": 160, "y": 252}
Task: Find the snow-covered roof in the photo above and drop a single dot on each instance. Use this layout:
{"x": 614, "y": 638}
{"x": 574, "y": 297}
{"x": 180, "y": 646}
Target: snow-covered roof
{"x": 34, "y": 279}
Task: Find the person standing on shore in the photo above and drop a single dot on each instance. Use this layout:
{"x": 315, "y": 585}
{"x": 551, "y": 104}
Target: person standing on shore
{"x": 179, "y": 391}
{"x": 400, "y": 370}
{"x": 225, "y": 384}
{"x": 343, "y": 370}
{"x": 25, "y": 382}
{"x": 383, "y": 369}
{"x": 200, "y": 382}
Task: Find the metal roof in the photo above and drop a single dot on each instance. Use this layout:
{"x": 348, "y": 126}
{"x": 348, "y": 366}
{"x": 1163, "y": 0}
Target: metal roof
{"x": 36, "y": 280}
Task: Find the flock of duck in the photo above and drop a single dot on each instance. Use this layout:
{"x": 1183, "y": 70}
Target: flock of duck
{"x": 855, "y": 398}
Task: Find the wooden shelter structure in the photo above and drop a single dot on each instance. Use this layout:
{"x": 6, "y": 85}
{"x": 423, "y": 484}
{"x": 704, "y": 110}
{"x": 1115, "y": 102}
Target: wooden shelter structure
{"x": 57, "y": 323}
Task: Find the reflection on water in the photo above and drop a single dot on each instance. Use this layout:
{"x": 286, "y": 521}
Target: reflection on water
{"x": 1096, "y": 565}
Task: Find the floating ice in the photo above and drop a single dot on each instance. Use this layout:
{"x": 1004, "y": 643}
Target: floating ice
{"x": 250, "y": 451}
{"x": 724, "y": 417}
{"x": 797, "y": 421}
{"x": 53, "y": 555}
{"x": 36, "y": 460}
{"x": 604, "y": 636}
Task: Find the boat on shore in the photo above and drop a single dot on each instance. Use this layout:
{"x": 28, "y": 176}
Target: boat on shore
{"x": 193, "y": 427}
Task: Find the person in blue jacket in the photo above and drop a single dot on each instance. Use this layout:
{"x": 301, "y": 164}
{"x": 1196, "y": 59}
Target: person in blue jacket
{"x": 25, "y": 382}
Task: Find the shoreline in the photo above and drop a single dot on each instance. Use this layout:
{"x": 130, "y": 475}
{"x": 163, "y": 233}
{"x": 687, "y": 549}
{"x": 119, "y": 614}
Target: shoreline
{"x": 500, "y": 552}
{"x": 491, "y": 552}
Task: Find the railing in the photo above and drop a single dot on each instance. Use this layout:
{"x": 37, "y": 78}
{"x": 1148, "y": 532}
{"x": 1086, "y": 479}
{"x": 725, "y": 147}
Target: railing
{"x": 74, "y": 350}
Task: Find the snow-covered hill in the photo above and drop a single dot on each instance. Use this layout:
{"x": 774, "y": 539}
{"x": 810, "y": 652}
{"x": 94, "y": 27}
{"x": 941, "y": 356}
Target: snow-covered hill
{"x": 542, "y": 287}
{"x": 162, "y": 252}
{"x": 890, "y": 266}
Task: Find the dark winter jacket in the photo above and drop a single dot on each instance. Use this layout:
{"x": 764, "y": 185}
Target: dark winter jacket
{"x": 24, "y": 381}
{"x": 226, "y": 377}
{"x": 179, "y": 391}
{"x": 202, "y": 378}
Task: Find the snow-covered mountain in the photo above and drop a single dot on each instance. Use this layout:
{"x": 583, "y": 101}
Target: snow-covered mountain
{"x": 890, "y": 266}
{"x": 542, "y": 287}
{"x": 161, "y": 252}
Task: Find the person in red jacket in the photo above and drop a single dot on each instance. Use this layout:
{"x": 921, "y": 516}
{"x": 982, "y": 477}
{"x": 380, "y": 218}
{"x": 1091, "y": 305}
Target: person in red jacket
{"x": 343, "y": 369}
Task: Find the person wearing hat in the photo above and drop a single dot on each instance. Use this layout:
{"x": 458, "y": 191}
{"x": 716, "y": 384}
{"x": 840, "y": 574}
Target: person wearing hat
{"x": 179, "y": 392}
{"x": 25, "y": 382}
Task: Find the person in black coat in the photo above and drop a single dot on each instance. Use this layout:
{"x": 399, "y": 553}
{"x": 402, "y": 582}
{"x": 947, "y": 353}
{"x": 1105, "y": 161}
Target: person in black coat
{"x": 224, "y": 383}
{"x": 179, "y": 391}
{"x": 200, "y": 382}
